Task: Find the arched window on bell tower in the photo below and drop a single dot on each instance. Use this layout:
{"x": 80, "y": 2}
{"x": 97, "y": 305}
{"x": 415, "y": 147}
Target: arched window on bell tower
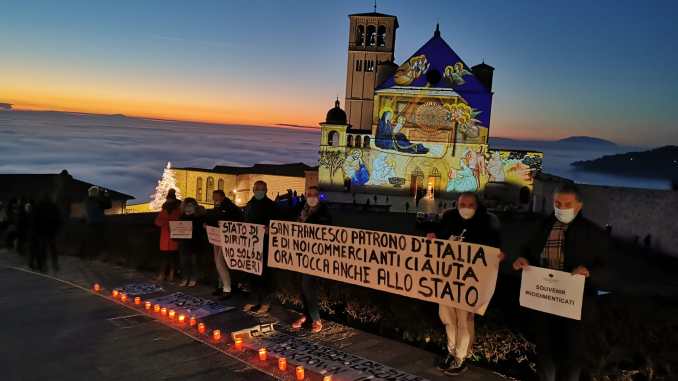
{"x": 371, "y": 35}
{"x": 381, "y": 35}
{"x": 360, "y": 35}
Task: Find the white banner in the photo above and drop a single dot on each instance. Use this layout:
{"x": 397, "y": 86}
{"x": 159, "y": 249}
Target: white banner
{"x": 215, "y": 236}
{"x": 458, "y": 274}
{"x": 551, "y": 291}
{"x": 243, "y": 246}
{"x": 181, "y": 229}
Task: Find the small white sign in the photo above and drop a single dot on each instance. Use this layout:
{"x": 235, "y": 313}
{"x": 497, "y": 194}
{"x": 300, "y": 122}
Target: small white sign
{"x": 215, "y": 236}
{"x": 181, "y": 229}
{"x": 551, "y": 291}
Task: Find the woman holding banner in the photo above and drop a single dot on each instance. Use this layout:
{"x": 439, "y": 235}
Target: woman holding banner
{"x": 469, "y": 222}
{"x": 313, "y": 212}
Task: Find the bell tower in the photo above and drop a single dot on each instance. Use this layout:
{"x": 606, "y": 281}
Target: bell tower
{"x": 371, "y": 42}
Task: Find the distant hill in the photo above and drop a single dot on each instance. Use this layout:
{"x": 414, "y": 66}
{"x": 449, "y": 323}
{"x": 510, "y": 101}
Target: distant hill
{"x": 587, "y": 140}
{"x": 658, "y": 163}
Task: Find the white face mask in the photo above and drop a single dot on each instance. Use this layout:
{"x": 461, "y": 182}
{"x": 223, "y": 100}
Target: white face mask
{"x": 467, "y": 213}
{"x": 564, "y": 215}
{"x": 312, "y": 201}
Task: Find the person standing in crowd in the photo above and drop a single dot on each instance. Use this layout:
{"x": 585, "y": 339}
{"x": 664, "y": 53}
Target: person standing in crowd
{"x": 224, "y": 210}
{"x": 565, "y": 241}
{"x": 189, "y": 249}
{"x": 260, "y": 210}
{"x": 95, "y": 207}
{"x": 45, "y": 223}
{"x": 170, "y": 211}
{"x": 23, "y": 222}
{"x": 313, "y": 212}
{"x": 469, "y": 222}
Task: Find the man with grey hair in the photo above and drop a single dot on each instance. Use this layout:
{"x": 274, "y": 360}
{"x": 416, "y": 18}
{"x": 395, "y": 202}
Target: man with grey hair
{"x": 565, "y": 241}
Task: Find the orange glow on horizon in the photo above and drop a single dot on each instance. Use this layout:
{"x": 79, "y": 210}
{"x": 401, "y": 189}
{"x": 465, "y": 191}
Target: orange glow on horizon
{"x": 242, "y": 111}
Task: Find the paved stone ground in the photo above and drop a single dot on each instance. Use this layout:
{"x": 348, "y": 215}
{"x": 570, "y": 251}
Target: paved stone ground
{"x": 54, "y": 330}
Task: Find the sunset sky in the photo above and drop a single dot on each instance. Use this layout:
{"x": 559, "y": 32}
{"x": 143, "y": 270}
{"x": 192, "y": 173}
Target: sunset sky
{"x": 600, "y": 68}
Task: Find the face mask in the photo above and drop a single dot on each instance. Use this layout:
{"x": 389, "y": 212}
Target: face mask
{"x": 259, "y": 195}
{"x": 564, "y": 215}
{"x": 467, "y": 213}
{"x": 312, "y": 201}
{"x": 189, "y": 209}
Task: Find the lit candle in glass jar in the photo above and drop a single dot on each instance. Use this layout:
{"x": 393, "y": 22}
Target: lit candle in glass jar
{"x": 327, "y": 378}
{"x": 123, "y": 297}
{"x": 282, "y": 364}
{"x": 238, "y": 343}
{"x": 181, "y": 318}
{"x": 115, "y": 293}
{"x": 171, "y": 314}
{"x": 201, "y": 328}
{"x": 96, "y": 287}
{"x": 156, "y": 308}
{"x": 263, "y": 354}
{"x": 163, "y": 311}
{"x": 216, "y": 335}
{"x": 193, "y": 321}
{"x": 299, "y": 371}
{"x": 137, "y": 300}
{"x": 147, "y": 305}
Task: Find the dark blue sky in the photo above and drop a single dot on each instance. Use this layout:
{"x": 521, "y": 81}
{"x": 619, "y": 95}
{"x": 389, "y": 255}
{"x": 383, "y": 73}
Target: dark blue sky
{"x": 601, "y": 68}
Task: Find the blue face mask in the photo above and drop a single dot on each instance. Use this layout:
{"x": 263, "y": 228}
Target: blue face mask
{"x": 259, "y": 195}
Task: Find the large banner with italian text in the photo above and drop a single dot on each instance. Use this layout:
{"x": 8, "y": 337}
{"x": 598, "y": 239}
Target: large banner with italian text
{"x": 243, "y": 246}
{"x": 458, "y": 274}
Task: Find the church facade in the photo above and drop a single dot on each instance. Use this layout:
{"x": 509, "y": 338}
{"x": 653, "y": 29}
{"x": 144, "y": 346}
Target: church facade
{"x": 419, "y": 129}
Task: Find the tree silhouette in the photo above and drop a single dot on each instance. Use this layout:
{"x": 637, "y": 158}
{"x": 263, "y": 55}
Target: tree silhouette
{"x": 332, "y": 160}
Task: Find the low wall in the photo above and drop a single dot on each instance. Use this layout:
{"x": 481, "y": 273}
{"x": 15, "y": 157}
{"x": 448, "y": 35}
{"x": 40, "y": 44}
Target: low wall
{"x": 637, "y": 329}
{"x": 632, "y": 213}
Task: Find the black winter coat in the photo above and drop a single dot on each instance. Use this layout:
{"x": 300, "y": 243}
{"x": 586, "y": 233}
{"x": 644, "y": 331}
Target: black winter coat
{"x": 482, "y": 228}
{"x": 226, "y": 211}
{"x": 321, "y": 216}
{"x": 586, "y": 244}
{"x": 261, "y": 211}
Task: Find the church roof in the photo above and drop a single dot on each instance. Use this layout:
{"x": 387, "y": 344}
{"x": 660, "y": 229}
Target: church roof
{"x": 336, "y": 115}
{"x": 436, "y": 65}
{"x": 375, "y": 14}
{"x": 33, "y": 185}
{"x": 290, "y": 170}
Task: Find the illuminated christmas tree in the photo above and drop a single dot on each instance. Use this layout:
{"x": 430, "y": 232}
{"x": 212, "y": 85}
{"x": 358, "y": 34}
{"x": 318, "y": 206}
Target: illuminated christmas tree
{"x": 167, "y": 182}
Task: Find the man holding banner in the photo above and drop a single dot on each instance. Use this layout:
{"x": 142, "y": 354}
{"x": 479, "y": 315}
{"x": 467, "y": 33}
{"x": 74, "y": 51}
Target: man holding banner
{"x": 469, "y": 222}
{"x": 313, "y": 212}
{"x": 260, "y": 210}
{"x": 224, "y": 210}
{"x": 569, "y": 242}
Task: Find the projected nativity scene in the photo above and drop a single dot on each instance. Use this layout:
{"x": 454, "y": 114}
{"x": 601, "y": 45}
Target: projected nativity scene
{"x": 418, "y": 130}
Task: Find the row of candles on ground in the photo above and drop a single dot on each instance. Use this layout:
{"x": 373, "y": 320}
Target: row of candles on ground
{"x": 216, "y": 334}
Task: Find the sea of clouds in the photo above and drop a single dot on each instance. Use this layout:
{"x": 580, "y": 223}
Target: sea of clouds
{"x": 129, "y": 154}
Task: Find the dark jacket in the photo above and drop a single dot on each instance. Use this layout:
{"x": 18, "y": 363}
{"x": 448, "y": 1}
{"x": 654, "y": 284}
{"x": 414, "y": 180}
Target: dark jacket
{"x": 46, "y": 219}
{"x": 261, "y": 211}
{"x": 320, "y": 216}
{"x": 586, "y": 244}
{"x": 482, "y": 228}
{"x": 198, "y": 238}
{"x": 95, "y": 208}
{"x": 226, "y": 211}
